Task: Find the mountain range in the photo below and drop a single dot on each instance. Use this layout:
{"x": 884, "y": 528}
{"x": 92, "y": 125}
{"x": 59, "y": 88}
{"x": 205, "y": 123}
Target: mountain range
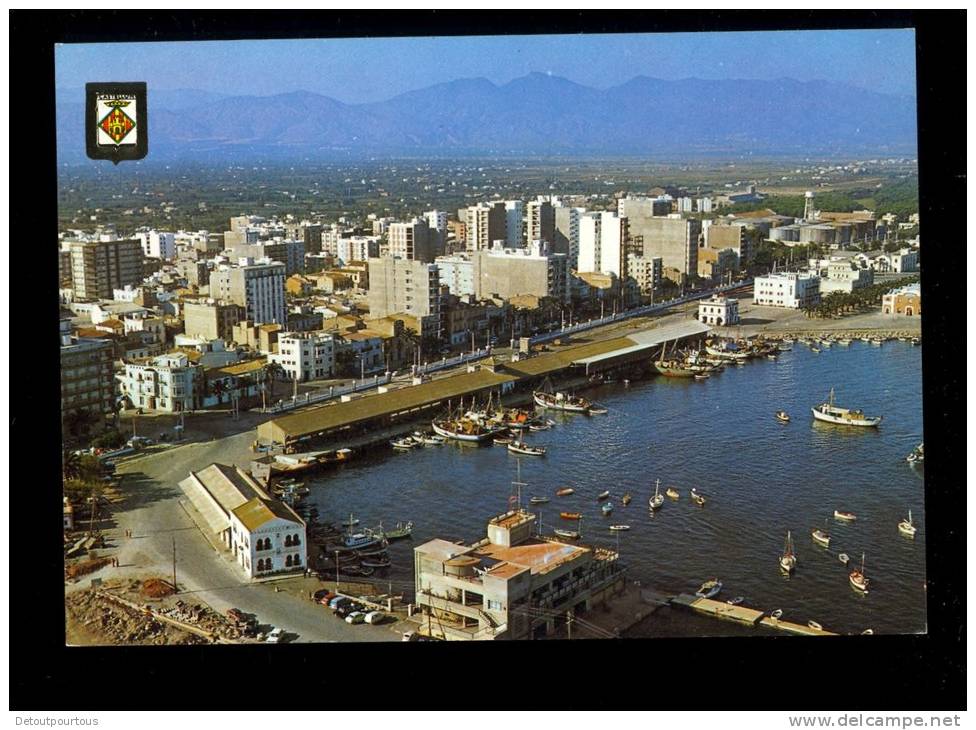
{"x": 537, "y": 115}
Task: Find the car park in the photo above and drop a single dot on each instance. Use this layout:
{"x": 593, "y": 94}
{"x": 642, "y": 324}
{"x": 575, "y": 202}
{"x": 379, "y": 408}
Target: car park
{"x": 356, "y": 617}
{"x": 324, "y": 597}
{"x": 375, "y": 617}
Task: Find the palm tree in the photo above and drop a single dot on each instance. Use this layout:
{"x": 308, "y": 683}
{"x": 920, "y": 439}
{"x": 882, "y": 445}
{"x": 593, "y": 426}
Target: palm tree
{"x": 272, "y": 371}
{"x": 218, "y": 390}
{"x": 70, "y": 464}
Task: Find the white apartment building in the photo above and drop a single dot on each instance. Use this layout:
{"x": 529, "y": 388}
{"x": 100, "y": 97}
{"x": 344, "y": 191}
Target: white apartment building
{"x": 602, "y": 236}
{"x": 720, "y": 311}
{"x": 411, "y": 240}
{"x": 789, "y": 290}
{"x": 436, "y": 220}
{"x": 306, "y": 355}
{"x": 158, "y": 244}
{"x": 358, "y": 248}
{"x": 485, "y": 223}
{"x": 845, "y": 276}
{"x": 457, "y": 272}
{"x": 165, "y": 383}
{"x": 514, "y": 214}
{"x": 258, "y": 287}
{"x": 567, "y": 233}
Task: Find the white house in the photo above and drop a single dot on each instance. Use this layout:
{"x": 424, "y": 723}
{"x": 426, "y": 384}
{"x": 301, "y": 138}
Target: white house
{"x": 306, "y": 355}
{"x": 164, "y": 383}
{"x": 789, "y": 290}
{"x": 720, "y": 311}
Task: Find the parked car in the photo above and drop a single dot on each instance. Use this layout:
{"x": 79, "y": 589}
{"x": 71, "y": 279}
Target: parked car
{"x": 356, "y": 617}
{"x": 274, "y": 636}
{"x": 409, "y": 636}
{"x": 338, "y": 601}
{"x": 375, "y": 617}
{"x": 324, "y": 597}
{"x": 347, "y": 608}
{"x": 236, "y": 615}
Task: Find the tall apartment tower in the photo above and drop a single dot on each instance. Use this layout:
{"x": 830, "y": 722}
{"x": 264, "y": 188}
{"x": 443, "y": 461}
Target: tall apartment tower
{"x": 412, "y": 241}
{"x": 541, "y": 221}
{"x": 98, "y": 268}
{"x": 567, "y": 233}
{"x": 514, "y": 213}
{"x": 408, "y": 287}
{"x": 602, "y": 242}
{"x": 485, "y": 224}
{"x": 259, "y": 288}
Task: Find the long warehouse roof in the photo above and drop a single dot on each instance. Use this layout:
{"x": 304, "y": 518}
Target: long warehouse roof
{"x": 365, "y": 408}
{"x": 565, "y": 356}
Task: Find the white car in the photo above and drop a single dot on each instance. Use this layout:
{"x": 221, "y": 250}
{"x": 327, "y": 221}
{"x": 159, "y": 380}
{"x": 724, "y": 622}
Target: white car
{"x": 356, "y": 617}
{"x": 274, "y": 636}
{"x": 375, "y": 617}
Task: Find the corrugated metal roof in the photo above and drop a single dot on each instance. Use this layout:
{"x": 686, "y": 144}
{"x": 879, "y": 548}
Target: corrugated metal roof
{"x": 323, "y": 418}
{"x": 611, "y": 355}
{"x": 256, "y": 512}
{"x": 675, "y": 331}
{"x": 566, "y": 356}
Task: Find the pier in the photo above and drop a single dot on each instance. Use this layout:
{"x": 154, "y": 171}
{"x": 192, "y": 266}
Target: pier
{"x": 744, "y": 614}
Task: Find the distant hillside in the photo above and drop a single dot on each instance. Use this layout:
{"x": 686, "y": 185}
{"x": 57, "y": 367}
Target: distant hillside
{"x": 534, "y": 115}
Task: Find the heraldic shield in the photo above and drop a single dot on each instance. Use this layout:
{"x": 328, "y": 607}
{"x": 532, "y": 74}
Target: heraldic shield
{"x": 116, "y": 123}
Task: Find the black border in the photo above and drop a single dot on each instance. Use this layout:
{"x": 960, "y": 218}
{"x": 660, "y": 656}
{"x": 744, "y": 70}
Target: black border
{"x": 857, "y": 673}
{"x": 116, "y": 153}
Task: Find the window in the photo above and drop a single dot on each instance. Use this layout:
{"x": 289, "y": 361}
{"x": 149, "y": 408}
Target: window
{"x": 494, "y": 605}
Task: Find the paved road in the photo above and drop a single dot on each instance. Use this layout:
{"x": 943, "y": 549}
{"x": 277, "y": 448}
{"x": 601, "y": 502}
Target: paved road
{"x": 153, "y": 512}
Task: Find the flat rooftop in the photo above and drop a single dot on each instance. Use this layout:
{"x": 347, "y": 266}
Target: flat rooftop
{"x": 539, "y": 556}
{"x": 511, "y": 519}
{"x": 438, "y": 549}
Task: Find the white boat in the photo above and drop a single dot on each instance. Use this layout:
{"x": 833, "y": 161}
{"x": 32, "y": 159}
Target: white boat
{"x": 603, "y": 495}
{"x": 428, "y": 439}
{"x": 820, "y": 537}
{"x": 561, "y": 402}
{"x": 782, "y": 416}
{"x": 607, "y": 508}
{"x": 777, "y": 614}
{"x": 538, "y": 500}
{"x": 906, "y": 527}
{"x": 858, "y": 580}
{"x": 465, "y": 429}
{"x": 404, "y": 444}
{"x": 830, "y": 413}
{"x": 619, "y": 528}
{"x": 844, "y": 558}
{"x": 657, "y": 500}
{"x": 598, "y": 411}
{"x": 787, "y": 561}
{"x": 917, "y": 456}
{"x": 814, "y": 625}
{"x": 844, "y": 516}
{"x": 735, "y": 601}
{"x": 844, "y": 341}
{"x": 702, "y": 376}
{"x": 697, "y": 498}
{"x": 520, "y": 447}
{"x": 709, "y": 589}
{"x": 540, "y": 426}
{"x": 568, "y": 534}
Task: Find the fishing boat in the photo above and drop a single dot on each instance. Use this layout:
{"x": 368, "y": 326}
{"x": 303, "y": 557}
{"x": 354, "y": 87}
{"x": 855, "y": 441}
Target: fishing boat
{"x": 814, "y": 625}
{"x": 619, "y": 528}
{"x": 360, "y": 540}
{"x": 603, "y": 495}
{"x": 564, "y": 492}
{"x": 844, "y": 558}
{"x": 538, "y": 500}
{"x": 787, "y": 561}
{"x": 830, "y": 413}
{"x": 906, "y": 527}
{"x": 917, "y": 456}
{"x": 726, "y": 350}
{"x": 571, "y": 515}
{"x": 561, "y": 402}
{"x": 709, "y": 589}
{"x": 782, "y": 416}
{"x": 859, "y": 581}
{"x": 597, "y": 411}
{"x": 428, "y": 439}
{"x": 607, "y": 508}
{"x": 404, "y": 444}
{"x": 520, "y": 447}
{"x": 502, "y": 440}
{"x": 376, "y": 563}
{"x": 543, "y": 426}
{"x": 568, "y": 534}
{"x": 844, "y": 516}
{"x": 697, "y": 498}
{"x": 735, "y": 601}
{"x": 399, "y": 532}
{"x": 673, "y": 493}
{"x": 820, "y": 537}
{"x": 626, "y": 499}
{"x": 657, "y": 500}
{"x": 471, "y": 427}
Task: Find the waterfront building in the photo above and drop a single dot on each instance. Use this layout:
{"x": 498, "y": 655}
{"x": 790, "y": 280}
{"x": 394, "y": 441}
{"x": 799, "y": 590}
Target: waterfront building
{"x": 514, "y": 214}
{"x": 306, "y": 355}
{"x": 264, "y": 535}
{"x": 511, "y": 584}
{"x": 170, "y": 383}
{"x": 906, "y": 301}
{"x": 792, "y": 290}
{"x": 719, "y": 311}
{"x": 258, "y": 287}
{"x": 404, "y": 285}
{"x": 508, "y": 272}
{"x": 87, "y": 381}
{"x": 98, "y": 267}
{"x": 902, "y": 261}
{"x": 844, "y": 276}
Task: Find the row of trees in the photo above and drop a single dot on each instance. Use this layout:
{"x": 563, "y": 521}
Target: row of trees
{"x": 838, "y": 303}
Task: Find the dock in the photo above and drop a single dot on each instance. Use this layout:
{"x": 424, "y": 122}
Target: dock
{"x": 745, "y": 615}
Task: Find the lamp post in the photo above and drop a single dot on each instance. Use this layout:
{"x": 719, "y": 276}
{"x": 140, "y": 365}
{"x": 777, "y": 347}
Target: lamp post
{"x": 337, "y": 570}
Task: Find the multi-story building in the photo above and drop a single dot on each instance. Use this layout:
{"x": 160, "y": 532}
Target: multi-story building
{"x": 567, "y": 233}
{"x": 306, "y": 355}
{"x": 411, "y": 240}
{"x": 436, "y": 220}
{"x": 211, "y": 319}
{"x": 87, "y": 381}
{"x": 357, "y": 248}
{"x": 411, "y": 287}
{"x": 158, "y": 244}
{"x": 792, "y": 290}
{"x": 719, "y": 311}
{"x": 638, "y": 208}
{"x": 258, "y": 287}
{"x": 457, "y": 272}
{"x": 289, "y": 253}
{"x": 844, "y": 276}
{"x": 906, "y": 301}
{"x": 715, "y": 263}
{"x": 720, "y": 236}
{"x": 540, "y": 221}
{"x": 169, "y": 383}
{"x": 645, "y": 272}
{"x": 485, "y": 223}
{"x": 602, "y": 244}
{"x": 511, "y": 584}
{"x": 675, "y": 240}
{"x": 510, "y": 272}
{"x": 514, "y": 214}
{"x": 99, "y": 267}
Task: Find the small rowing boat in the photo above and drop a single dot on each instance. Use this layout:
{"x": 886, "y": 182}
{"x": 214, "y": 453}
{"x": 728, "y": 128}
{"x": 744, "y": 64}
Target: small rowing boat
{"x": 844, "y": 558}
{"x": 538, "y": 500}
{"x": 782, "y": 416}
{"x": 814, "y": 625}
{"x": 607, "y": 508}
{"x": 626, "y": 499}
{"x": 603, "y": 495}
{"x": 844, "y": 516}
{"x": 565, "y": 492}
{"x": 568, "y": 534}
{"x": 735, "y": 601}
{"x": 697, "y": 498}
{"x": 709, "y": 589}
{"x": 571, "y": 515}
{"x": 820, "y": 537}
{"x": 619, "y": 528}
{"x": 673, "y": 493}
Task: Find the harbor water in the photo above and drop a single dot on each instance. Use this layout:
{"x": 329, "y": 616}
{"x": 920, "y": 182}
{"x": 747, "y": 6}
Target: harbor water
{"x": 760, "y": 477}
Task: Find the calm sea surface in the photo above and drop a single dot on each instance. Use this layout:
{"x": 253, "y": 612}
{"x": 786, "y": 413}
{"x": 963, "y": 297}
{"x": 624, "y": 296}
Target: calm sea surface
{"x": 761, "y": 479}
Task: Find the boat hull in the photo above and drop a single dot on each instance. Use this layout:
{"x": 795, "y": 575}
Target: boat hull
{"x": 458, "y": 436}
{"x": 559, "y": 405}
{"x": 844, "y": 421}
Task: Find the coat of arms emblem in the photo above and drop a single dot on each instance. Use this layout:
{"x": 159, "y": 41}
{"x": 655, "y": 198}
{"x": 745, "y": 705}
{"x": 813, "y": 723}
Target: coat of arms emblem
{"x": 116, "y": 121}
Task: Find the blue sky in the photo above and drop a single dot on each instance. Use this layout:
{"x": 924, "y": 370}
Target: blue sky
{"x": 364, "y": 70}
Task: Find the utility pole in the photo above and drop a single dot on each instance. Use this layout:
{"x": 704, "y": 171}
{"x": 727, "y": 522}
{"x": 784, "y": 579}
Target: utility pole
{"x": 175, "y": 589}
{"x": 337, "y": 570}
{"x": 569, "y": 624}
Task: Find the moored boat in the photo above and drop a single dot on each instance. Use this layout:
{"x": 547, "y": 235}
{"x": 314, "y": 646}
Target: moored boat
{"x": 844, "y": 516}
{"x": 607, "y": 508}
{"x": 467, "y": 428}
{"x": 428, "y": 439}
{"x": 520, "y": 447}
{"x": 564, "y": 492}
{"x": 376, "y": 563}
{"x": 814, "y": 625}
{"x": 626, "y": 499}
{"x": 404, "y": 444}
{"x": 844, "y": 558}
{"x": 538, "y": 500}
{"x": 568, "y": 534}
{"x": 906, "y": 527}
{"x": 561, "y": 402}
{"x": 603, "y": 495}
{"x": 859, "y": 581}
{"x": 830, "y": 413}
{"x": 502, "y": 440}
{"x": 399, "y": 532}
{"x": 787, "y": 561}
{"x": 782, "y": 416}
{"x": 820, "y": 537}
{"x": 697, "y": 498}
{"x": 735, "y": 601}
{"x": 709, "y": 589}
{"x": 673, "y": 493}
{"x": 571, "y": 515}
{"x": 619, "y": 528}
{"x": 657, "y": 499}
